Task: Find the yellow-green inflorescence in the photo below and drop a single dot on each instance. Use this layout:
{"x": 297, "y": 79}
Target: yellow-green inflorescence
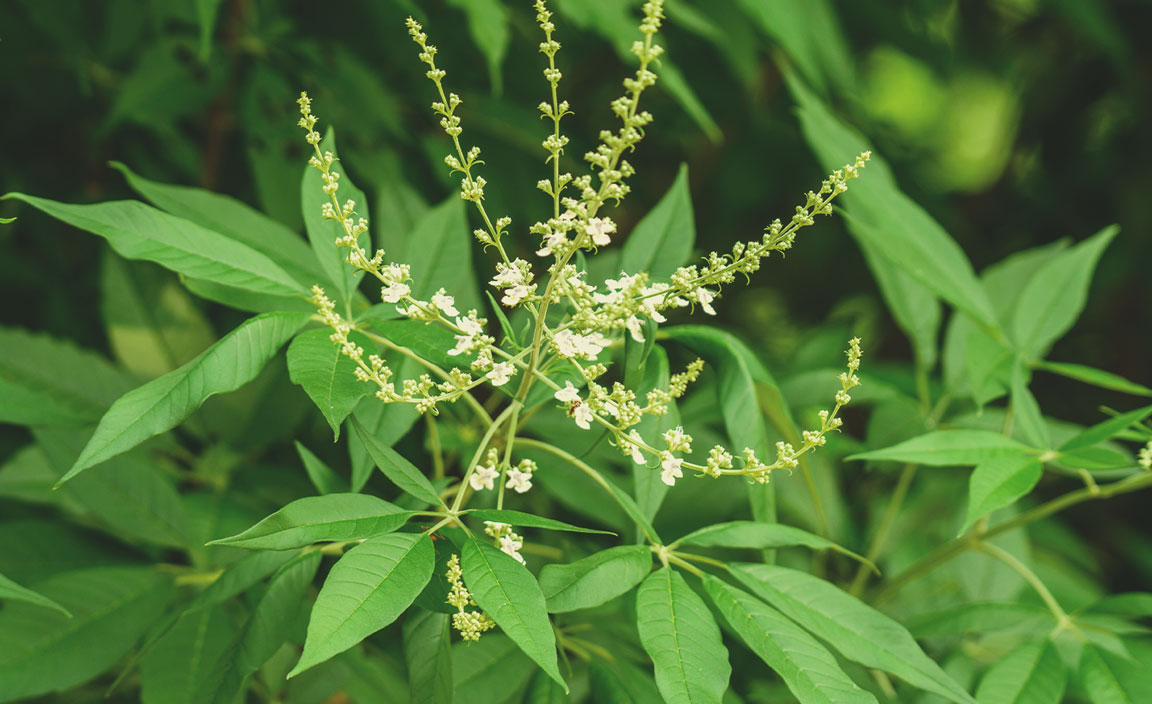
{"x": 595, "y": 317}
{"x": 470, "y": 624}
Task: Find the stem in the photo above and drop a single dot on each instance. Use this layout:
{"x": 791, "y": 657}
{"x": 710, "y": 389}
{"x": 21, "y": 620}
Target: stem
{"x": 890, "y": 514}
{"x": 479, "y": 454}
{"x": 685, "y": 565}
{"x": 1029, "y": 576}
{"x": 434, "y": 447}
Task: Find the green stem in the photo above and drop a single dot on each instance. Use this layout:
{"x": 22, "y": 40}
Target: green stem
{"x": 434, "y": 447}
{"x": 1030, "y": 577}
{"x": 890, "y": 513}
{"x": 495, "y": 425}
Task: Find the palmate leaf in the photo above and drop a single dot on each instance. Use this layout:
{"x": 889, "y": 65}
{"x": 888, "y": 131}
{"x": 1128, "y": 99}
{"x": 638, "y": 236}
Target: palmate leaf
{"x": 43, "y": 651}
{"x": 683, "y": 640}
{"x": 370, "y": 586}
{"x": 326, "y": 374}
{"x": 595, "y": 579}
{"x": 663, "y": 239}
{"x": 809, "y": 670}
{"x": 139, "y": 231}
{"x": 315, "y": 519}
{"x": 1031, "y": 674}
{"x": 861, "y": 633}
{"x": 162, "y": 403}
{"x": 509, "y": 594}
{"x": 946, "y": 448}
{"x": 14, "y": 592}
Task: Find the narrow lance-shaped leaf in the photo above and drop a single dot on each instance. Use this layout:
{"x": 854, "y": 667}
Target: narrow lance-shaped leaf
{"x": 1102, "y": 431}
{"x": 139, "y": 231}
{"x": 371, "y": 585}
{"x": 861, "y": 633}
{"x": 427, "y": 650}
{"x": 321, "y": 518}
{"x": 999, "y": 482}
{"x": 527, "y": 520}
{"x": 326, "y": 374}
{"x": 163, "y": 403}
{"x": 1096, "y": 377}
{"x": 595, "y": 579}
{"x": 14, "y": 592}
{"x": 321, "y": 475}
{"x": 679, "y": 634}
{"x": 1031, "y": 674}
{"x": 762, "y": 536}
{"x": 1026, "y": 411}
{"x": 810, "y": 671}
{"x": 400, "y": 471}
{"x": 945, "y": 448}
{"x": 509, "y": 594}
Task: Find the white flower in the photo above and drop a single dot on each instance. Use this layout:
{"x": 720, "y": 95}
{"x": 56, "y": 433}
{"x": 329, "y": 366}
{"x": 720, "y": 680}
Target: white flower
{"x": 599, "y": 229}
{"x": 551, "y": 241}
{"x": 445, "y": 303}
{"x": 569, "y": 344}
{"x": 635, "y": 327}
{"x": 469, "y": 326}
{"x": 393, "y": 292}
{"x": 500, "y": 374}
{"x": 678, "y": 440}
{"x": 508, "y": 274}
{"x": 583, "y": 416}
{"x": 637, "y": 453}
{"x": 671, "y": 469}
{"x": 565, "y": 343}
{"x": 705, "y": 297}
{"x": 568, "y": 394}
{"x": 511, "y": 545}
{"x": 483, "y": 477}
{"x": 515, "y": 294}
{"x": 518, "y": 481}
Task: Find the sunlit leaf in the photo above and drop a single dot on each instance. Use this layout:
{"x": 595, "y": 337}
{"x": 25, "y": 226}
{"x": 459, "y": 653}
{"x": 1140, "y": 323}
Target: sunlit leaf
{"x": 332, "y": 517}
{"x": 595, "y": 579}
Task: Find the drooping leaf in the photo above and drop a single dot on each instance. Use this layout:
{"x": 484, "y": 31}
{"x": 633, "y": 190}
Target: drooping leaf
{"x": 861, "y": 633}
{"x": 1106, "y": 429}
{"x": 761, "y": 536}
{"x": 527, "y": 520}
{"x": 1031, "y": 674}
{"x": 139, "y": 231}
{"x": 1108, "y": 678}
{"x": 509, "y": 594}
{"x": 679, "y": 634}
{"x": 45, "y": 381}
{"x": 326, "y": 374}
{"x": 998, "y": 482}
{"x": 400, "y": 471}
{"x": 323, "y": 233}
{"x": 488, "y": 25}
{"x": 1096, "y": 377}
{"x": 595, "y": 579}
{"x": 1050, "y": 303}
{"x": 323, "y": 478}
{"x": 663, "y": 239}
{"x": 162, "y": 403}
{"x": 371, "y": 585}
{"x": 234, "y": 219}
{"x": 239, "y": 576}
{"x": 44, "y": 651}
{"x": 427, "y": 650}
{"x": 809, "y": 670}
{"x": 14, "y": 592}
{"x": 944, "y": 448}
{"x": 315, "y": 519}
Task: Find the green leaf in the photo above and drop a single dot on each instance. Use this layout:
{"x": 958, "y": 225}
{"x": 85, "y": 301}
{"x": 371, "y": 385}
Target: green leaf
{"x": 181, "y": 666}
{"x": 1096, "y": 377}
{"x": 493, "y": 674}
{"x": 326, "y": 374}
{"x": 1031, "y": 674}
{"x": 809, "y": 31}
{"x": 387, "y": 422}
{"x": 427, "y": 650}
{"x": 323, "y": 233}
{"x": 1000, "y": 482}
{"x": 6, "y": 221}
{"x": 662, "y": 241}
{"x": 488, "y": 25}
{"x": 1051, "y": 302}
{"x": 528, "y": 520}
{"x": 983, "y": 618}
{"x": 44, "y": 651}
{"x": 861, "y": 633}
{"x": 595, "y": 579}
{"x": 139, "y": 231}
{"x": 400, "y": 471}
{"x": 761, "y": 536}
{"x": 947, "y": 448}
{"x": 809, "y": 670}
{"x": 163, "y": 403}
{"x": 1110, "y": 679}
{"x": 654, "y": 374}
{"x": 321, "y": 475}
{"x": 371, "y": 585}
{"x": 206, "y": 15}
{"x": 45, "y": 381}
{"x": 1102, "y": 431}
{"x": 895, "y": 226}
{"x": 439, "y": 254}
{"x": 234, "y": 219}
{"x": 14, "y": 592}
{"x": 332, "y": 517}
{"x": 622, "y": 683}
{"x": 543, "y": 690}
{"x": 509, "y": 594}
{"x": 505, "y": 325}
{"x": 1026, "y": 412}
{"x": 239, "y": 576}
{"x": 679, "y": 634}
{"x": 913, "y": 306}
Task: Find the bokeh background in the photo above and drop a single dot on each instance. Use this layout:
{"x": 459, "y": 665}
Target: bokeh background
{"x": 1013, "y": 122}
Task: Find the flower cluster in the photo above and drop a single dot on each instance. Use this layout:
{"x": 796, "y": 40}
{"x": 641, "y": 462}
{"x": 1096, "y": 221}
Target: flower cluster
{"x": 509, "y": 542}
{"x": 575, "y": 324}
{"x": 1145, "y": 458}
{"x": 470, "y": 624}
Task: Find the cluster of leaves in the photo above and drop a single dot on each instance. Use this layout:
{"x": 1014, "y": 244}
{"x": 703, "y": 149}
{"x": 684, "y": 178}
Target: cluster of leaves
{"x": 110, "y": 575}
